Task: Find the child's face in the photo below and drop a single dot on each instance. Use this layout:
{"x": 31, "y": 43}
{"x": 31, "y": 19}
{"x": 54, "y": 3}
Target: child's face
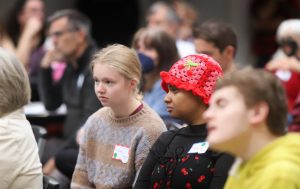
{"x": 111, "y": 88}
{"x": 184, "y": 105}
{"x": 228, "y": 120}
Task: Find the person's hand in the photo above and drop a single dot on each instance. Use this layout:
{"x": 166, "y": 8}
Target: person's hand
{"x": 294, "y": 64}
{"x": 33, "y": 26}
{"x": 50, "y": 57}
{"x": 277, "y": 64}
{"x": 49, "y": 166}
{"x": 287, "y": 63}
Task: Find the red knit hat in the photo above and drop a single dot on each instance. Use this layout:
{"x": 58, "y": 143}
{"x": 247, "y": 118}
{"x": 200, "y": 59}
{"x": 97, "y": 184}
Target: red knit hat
{"x": 196, "y": 73}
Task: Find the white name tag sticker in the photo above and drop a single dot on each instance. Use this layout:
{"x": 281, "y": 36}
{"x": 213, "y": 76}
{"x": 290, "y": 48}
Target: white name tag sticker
{"x": 121, "y": 153}
{"x": 199, "y": 148}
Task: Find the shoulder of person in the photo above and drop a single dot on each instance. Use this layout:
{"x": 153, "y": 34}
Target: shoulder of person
{"x": 152, "y": 117}
{"x": 167, "y": 136}
{"x": 97, "y": 116}
{"x": 223, "y": 163}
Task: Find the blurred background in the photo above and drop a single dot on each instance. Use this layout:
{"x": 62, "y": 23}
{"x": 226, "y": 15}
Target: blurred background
{"x": 117, "y": 20}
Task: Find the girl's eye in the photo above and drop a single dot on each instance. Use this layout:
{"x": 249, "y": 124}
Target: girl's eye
{"x": 108, "y": 82}
{"x": 96, "y": 81}
{"x": 172, "y": 89}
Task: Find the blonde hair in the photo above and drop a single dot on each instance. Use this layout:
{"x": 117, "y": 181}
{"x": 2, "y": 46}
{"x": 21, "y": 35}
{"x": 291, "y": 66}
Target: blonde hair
{"x": 15, "y": 89}
{"x": 122, "y": 59}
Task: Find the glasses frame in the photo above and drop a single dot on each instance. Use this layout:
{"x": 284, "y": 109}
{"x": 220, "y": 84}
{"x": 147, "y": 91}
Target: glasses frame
{"x": 58, "y": 34}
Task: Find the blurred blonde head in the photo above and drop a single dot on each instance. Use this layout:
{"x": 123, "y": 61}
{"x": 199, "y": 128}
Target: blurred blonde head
{"x": 14, "y": 83}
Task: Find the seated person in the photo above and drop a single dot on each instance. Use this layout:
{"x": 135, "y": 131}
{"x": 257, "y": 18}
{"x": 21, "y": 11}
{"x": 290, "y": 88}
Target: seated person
{"x": 19, "y": 162}
{"x": 285, "y": 63}
{"x": 181, "y": 158}
{"x": 23, "y": 34}
{"x": 70, "y": 33}
{"x": 247, "y": 118}
{"x": 117, "y": 138}
{"x": 161, "y": 48}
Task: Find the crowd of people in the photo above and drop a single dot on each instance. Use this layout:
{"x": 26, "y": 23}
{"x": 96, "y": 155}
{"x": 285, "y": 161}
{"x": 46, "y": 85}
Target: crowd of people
{"x": 172, "y": 110}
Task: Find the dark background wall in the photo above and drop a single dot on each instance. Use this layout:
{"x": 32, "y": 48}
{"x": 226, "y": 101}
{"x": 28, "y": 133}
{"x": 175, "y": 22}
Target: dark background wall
{"x": 114, "y": 20}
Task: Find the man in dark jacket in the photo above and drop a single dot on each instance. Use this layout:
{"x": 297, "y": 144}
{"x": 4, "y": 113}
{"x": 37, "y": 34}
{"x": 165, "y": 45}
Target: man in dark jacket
{"x": 69, "y": 31}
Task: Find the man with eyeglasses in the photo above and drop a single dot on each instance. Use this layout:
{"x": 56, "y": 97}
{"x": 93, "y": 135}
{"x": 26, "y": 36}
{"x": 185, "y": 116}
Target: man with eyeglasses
{"x": 69, "y": 31}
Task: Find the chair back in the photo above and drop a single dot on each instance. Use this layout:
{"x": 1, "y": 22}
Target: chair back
{"x": 50, "y": 183}
{"x": 40, "y": 134}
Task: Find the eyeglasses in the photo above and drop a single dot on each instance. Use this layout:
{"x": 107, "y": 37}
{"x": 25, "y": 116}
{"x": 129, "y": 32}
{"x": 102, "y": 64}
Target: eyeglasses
{"x": 58, "y": 34}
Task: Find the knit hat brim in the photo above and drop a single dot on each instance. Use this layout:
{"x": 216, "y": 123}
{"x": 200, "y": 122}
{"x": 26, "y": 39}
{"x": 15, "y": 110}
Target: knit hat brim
{"x": 167, "y": 79}
{"x": 196, "y": 73}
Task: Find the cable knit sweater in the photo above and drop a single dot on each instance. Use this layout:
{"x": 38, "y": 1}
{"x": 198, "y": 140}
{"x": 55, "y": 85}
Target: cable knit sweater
{"x": 114, "y": 149}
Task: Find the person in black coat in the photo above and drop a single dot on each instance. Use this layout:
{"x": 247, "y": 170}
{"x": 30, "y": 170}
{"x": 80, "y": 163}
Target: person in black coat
{"x": 182, "y": 158}
{"x": 69, "y": 32}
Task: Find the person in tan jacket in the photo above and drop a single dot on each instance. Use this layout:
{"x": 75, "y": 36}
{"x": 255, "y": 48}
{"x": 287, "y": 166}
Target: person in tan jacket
{"x": 20, "y": 166}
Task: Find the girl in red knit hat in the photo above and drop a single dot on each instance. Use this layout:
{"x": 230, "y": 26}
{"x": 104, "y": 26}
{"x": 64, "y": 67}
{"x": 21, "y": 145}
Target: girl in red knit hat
{"x": 181, "y": 158}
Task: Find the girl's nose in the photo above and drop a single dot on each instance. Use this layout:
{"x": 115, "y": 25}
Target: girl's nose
{"x": 167, "y": 98}
{"x": 100, "y": 88}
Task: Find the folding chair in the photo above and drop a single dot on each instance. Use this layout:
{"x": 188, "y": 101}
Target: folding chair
{"x": 40, "y": 134}
{"x": 50, "y": 183}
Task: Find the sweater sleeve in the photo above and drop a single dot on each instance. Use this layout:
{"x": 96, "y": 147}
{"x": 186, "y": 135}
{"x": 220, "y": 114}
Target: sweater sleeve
{"x": 80, "y": 175}
{"x": 157, "y": 150}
